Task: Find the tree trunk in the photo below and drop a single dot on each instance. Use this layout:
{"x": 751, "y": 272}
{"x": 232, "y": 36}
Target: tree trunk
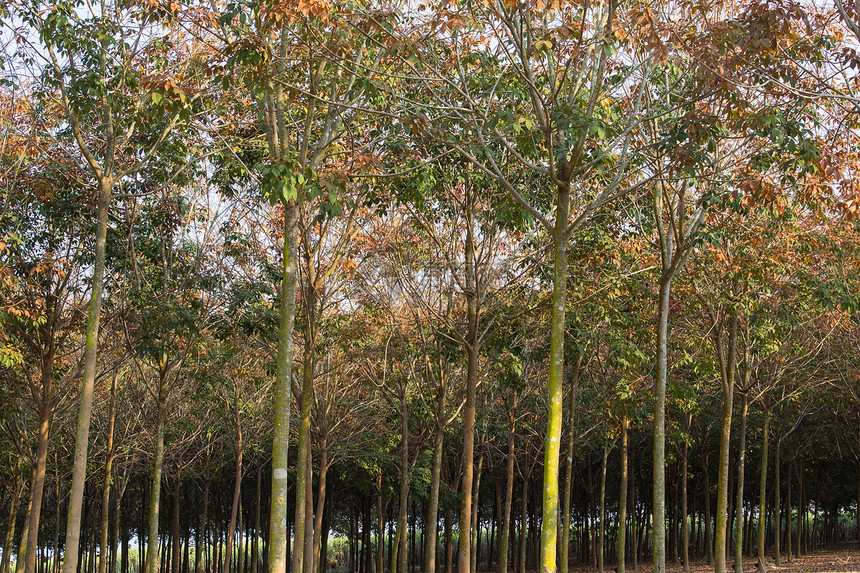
{"x": 776, "y": 505}
{"x": 684, "y": 508}
{"x": 621, "y": 540}
{"x": 549, "y": 523}
{"x": 504, "y": 533}
{"x": 709, "y": 539}
{"x": 659, "y": 458}
{"x": 739, "y": 493}
{"x": 449, "y": 541}
{"x": 17, "y": 489}
{"x": 103, "y": 552}
{"x": 524, "y": 515}
{"x": 155, "y": 489}
{"x": 380, "y": 520}
{"x": 39, "y": 466}
{"x": 601, "y": 530}
{"x": 201, "y": 528}
{"x": 476, "y": 529}
{"x": 762, "y": 492}
{"x": 464, "y": 558}
{"x": 237, "y": 484}
{"x": 302, "y": 484}
{"x": 430, "y": 530}
{"x": 564, "y": 553}
{"x": 308, "y": 549}
{"x": 176, "y": 542}
{"x": 85, "y": 411}
{"x": 277, "y": 539}
{"x": 727, "y": 375}
{"x": 404, "y": 486}
{"x": 320, "y": 508}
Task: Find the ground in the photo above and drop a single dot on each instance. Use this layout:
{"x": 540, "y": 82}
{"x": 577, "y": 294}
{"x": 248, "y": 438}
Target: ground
{"x": 840, "y": 560}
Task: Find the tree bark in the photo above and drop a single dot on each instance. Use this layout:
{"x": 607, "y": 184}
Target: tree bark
{"x": 727, "y": 376}
{"x": 504, "y": 533}
{"x": 762, "y": 492}
{"x": 684, "y": 509}
{"x": 404, "y": 486}
{"x": 476, "y": 530}
{"x": 431, "y": 529}
{"x": 621, "y": 540}
{"x": 237, "y": 482}
{"x": 564, "y": 553}
{"x": 777, "y": 507}
{"x": 464, "y": 559}
{"x": 152, "y": 561}
{"x": 321, "y": 500}
{"x": 103, "y": 552}
{"x": 601, "y": 530}
{"x": 39, "y": 466}
{"x": 85, "y": 411}
{"x": 549, "y": 523}
{"x": 277, "y": 538}
{"x": 10, "y": 523}
{"x": 739, "y": 493}
{"x": 659, "y": 458}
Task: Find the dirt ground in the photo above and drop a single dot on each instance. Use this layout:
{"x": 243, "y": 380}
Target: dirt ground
{"x": 840, "y": 560}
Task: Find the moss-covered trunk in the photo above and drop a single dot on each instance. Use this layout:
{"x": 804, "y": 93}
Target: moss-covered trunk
{"x": 277, "y": 543}
{"x": 85, "y": 408}
{"x": 549, "y": 523}
{"x": 726, "y": 358}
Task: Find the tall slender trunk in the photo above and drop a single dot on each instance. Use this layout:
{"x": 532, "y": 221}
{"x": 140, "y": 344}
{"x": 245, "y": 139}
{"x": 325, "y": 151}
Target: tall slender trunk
{"x": 17, "y": 489}
{"x": 176, "y": 540}
{"x": 404, "y": 486}
{"x": 152, "y": 561}
{"x": 524, "y": 516}
{"x": 380, "y": 527}
{"x": 464, "y": 559}
{"x": 85, "y": 411}
{"x": 103, "y": 552}
{"x": 308, "y": 550}
{"x": 321, "y": 500}
{"x": 564, "y": 553}
{"x": 449, "y": 541}
{"x": 303, "y": 447}
{"x": 709, "y": 539}
{"x": 277, "y": 538}
{"x": 788, "y": 531}
{"x": 659, "y": 457}
{"x": 430, "y": 529}
{"x": 504, "y": 533}
{"x": 549, "y": 523}
{"x": 776, "y": 505}
{"x": 727, "y": 376}
{"x": 684, "y": 509}
{"x": 476, "y": 533}
{"x": 739, "y": 493}
{"x": 237, "y": 482}
{"x": 762, "y": 491}
{"x": 601, "y": 530}
{"x": 621, "y": 540}
{"x": 201, "y": 541}
{"x": 39, "y": 466}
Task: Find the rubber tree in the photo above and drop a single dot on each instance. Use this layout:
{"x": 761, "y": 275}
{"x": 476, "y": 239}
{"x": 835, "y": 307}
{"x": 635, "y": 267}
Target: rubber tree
{"x": 117, "y": 123}
{"x": 554, "y": 170}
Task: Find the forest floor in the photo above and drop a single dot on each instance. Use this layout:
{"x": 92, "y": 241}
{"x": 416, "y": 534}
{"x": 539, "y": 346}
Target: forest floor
{"x": 835, "y": 560}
